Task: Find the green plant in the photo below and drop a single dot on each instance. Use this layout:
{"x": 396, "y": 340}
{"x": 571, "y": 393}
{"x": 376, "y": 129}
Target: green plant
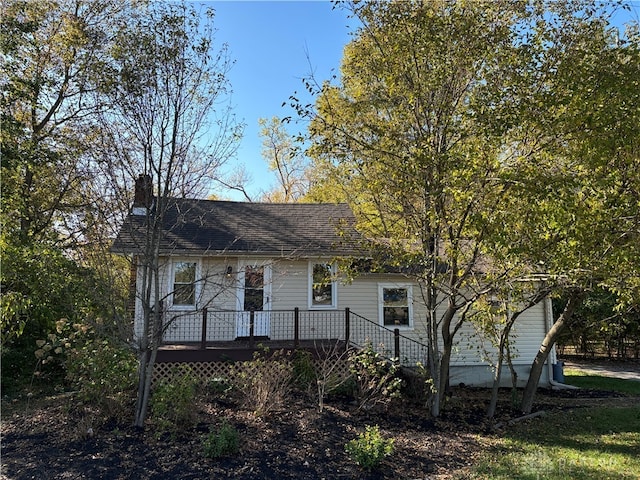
{"x": 101, "y": 371}
{"x": 219, "y": 385}
{"x": 376, "y": 377}
{"x": 221, "y": 443}
{"x": 304, "y": 371}
{"x": 172, "y": 403}
{"x": 265, "y": 381}
{"x": 369, "y": 448}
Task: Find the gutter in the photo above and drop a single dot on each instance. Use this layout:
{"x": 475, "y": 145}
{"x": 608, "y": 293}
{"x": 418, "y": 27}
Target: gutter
{"x": 548, "y": 315}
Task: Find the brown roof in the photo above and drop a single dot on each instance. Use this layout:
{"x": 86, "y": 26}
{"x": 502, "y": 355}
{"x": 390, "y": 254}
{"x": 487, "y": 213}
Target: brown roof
{"x": 207, "y": 227}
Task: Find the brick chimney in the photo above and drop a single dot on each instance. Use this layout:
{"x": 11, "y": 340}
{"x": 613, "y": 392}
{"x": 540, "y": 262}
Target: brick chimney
{"x": 143, "y": 194}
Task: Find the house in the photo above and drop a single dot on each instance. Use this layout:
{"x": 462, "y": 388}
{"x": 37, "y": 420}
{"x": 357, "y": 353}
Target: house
{"x": 234, "y": 271}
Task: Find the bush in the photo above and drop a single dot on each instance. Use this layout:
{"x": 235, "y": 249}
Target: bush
{"x": 376, "y": 377}
{"x": 172, "y": 404}
{"x": 224, "y": 442}
{"x": 304, "y": 371}
{"x": 370, "y": 448}
{"x": 102, "y": 372}
{"x": 264, "y": 382}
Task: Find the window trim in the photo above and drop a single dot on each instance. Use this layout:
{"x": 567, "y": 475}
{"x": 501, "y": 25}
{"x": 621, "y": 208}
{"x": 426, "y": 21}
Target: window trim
{"x": 388, "y": 285}
{"x": 334, "y": 286}
{"x": 196, "y": 283}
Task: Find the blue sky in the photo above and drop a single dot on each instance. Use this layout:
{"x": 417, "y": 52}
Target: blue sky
{"x": 275, "y": 44}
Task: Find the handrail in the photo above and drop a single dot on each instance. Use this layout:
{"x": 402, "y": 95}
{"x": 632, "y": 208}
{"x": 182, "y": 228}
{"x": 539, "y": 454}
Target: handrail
{"x": 206, "y": 326}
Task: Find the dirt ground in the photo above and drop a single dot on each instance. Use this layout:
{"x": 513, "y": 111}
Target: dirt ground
{"x": 50, "y": 438}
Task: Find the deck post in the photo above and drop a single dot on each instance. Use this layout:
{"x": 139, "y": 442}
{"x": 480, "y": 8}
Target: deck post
{"x": 252, "y": 315}
{"x": 203, "y": 343}
{"x": 396, "y": 343}
{"x": 347, "y": 327}
{"x": 296, "y": 327}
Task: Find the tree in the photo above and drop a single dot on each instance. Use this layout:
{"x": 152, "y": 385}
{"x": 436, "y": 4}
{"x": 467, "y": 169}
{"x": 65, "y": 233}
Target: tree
{"x": 462, "y": 132}
{"x": 286, "y": 160}
{"x": 52, "y": 58}
{"x": 400, "y": 136}
{"x": 168, "y": 85}
{"x": 577, "y": 136}
{"x": 53, "y": 52}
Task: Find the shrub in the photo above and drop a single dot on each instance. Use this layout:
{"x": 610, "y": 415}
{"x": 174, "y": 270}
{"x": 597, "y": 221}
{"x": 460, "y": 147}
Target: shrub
{"x": 376, "y": 377}
{"x": 370, "y": 448}
{"x": 102, "y": 372}
{"x": 304, "y": 371}
{"x": 221, "y": 443}
{"x": 172, "y": 403}
{"x": 265, "y": 381}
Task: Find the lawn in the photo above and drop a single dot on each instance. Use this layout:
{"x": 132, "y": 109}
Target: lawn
{"x": 597, "y": 382}
{"x": 582, "y": 443}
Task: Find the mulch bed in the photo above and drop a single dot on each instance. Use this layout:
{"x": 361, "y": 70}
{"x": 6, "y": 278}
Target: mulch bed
{"x": 49, "y": 438}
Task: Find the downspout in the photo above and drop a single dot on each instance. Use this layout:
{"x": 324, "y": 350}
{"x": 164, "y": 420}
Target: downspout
{"x": 553, "y": 358}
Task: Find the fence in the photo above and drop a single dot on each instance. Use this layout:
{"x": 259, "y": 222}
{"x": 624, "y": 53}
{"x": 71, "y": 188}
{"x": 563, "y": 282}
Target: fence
{"x": 206, "y": 327}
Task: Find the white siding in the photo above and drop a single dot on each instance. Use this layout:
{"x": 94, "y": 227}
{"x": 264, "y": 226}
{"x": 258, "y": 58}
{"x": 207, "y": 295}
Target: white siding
{"x": 472, "y": 356}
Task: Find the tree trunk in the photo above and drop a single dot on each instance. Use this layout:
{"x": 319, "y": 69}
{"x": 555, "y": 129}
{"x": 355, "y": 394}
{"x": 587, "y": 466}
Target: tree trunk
{"x": 493, "y": 403}
{"x": 575, "y": 299}
{"x": 445, "y": 361}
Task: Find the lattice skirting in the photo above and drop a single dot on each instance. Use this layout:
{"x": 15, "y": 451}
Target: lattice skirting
{"x": 205, "y": 371}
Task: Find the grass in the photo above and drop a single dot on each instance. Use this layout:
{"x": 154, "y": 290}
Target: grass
{"x": 597, "y": 382}
{"x": 583, "y": 444}
{"x": 594, "y": 443}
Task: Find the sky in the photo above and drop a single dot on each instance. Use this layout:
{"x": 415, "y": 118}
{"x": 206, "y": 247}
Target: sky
{"x": 274, "y": 45}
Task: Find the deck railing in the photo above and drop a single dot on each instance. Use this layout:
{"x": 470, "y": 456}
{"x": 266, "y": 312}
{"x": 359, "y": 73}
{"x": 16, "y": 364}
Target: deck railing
{"x": 206, "y": 327}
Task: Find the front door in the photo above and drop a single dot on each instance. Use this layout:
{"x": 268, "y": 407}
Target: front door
{"x": 254, "y": 294}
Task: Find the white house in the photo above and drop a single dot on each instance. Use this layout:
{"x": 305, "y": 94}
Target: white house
{"x": 234, "y": 270}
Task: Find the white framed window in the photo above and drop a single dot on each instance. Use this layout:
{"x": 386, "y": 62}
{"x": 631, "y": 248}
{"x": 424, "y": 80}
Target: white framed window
{"x": 395, "y": 303}
{"x": 323, "y": 289}
{"x": 184, "y": 285}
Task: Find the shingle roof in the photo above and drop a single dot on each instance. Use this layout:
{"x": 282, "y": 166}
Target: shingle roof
{"x": 207, "y": 227}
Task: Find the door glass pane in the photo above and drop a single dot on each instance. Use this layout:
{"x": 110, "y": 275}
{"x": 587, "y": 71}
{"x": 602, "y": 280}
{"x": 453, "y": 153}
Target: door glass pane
{"x": 184, "y": 277}
{"x": 253, "y": 288}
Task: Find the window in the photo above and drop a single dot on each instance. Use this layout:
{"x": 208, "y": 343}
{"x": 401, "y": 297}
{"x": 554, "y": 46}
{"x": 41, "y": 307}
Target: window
{"x": 396, "y": 309}
{"x": 322, "y": 291}
{"x": 184, "y": 284}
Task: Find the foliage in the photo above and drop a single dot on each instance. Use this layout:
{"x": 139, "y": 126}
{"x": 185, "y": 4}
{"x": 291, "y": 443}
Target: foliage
{"x": 172, "y": 403}
{"x": 370, "y": 448}
{"x": 463, "y": 131}
{"x": 101, "y": 371}
{"x": 304, "y": 370}
{"x": 417, "y": 384}
{"x": 580, "y": 444}
{"x": 603, "y": 326}
{"x": 221, "y": 443}
{"x": 264, "y": 382}
{"x": 53, "y": 57}
{"x": 377, "y": 378}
